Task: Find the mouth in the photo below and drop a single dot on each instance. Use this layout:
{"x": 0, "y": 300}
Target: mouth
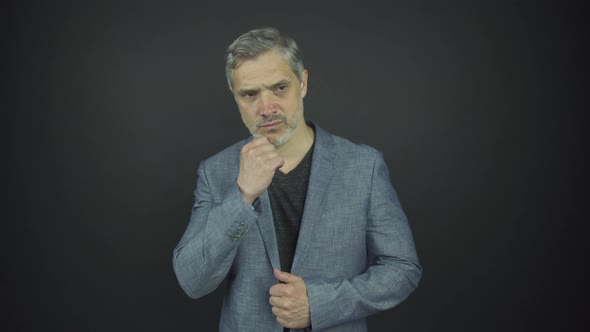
{"x": 271, "y": 124}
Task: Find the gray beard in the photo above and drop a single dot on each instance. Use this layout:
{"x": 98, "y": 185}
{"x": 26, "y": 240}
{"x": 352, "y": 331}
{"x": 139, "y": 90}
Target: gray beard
{"x": 288, "y": 132}
{"x": 281, "y": 139}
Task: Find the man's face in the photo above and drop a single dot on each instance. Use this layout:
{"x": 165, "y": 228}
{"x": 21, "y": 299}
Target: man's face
{"x": 269, "y": 96}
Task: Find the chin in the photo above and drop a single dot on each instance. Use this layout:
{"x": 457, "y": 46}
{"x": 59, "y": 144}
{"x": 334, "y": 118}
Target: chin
{"x": 272, "y": 135}
{"x": 280, "y": 138}
{"x": 272, "y": 138}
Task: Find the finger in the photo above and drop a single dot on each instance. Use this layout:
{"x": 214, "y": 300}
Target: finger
{"x": 277, "y": 162}
{"x": 274, "y": 301}
{"x": 279, "y": 302}
{"x": 276, "y": 290}
{"x": 259, "y": 140}
{"x": 263, "y": 148}
{"x": 285, "y": 277}
{"x": 271, "y": 156}
{"x": 279, "y": 312}
{"x": 284, "y": 322}
{"x": 259, "y": 153}
{"x": 266, "y": 151}
{"x": 253, "y": 145}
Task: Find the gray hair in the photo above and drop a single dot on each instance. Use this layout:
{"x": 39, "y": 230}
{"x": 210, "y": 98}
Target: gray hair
{"x": 258, "y": 41}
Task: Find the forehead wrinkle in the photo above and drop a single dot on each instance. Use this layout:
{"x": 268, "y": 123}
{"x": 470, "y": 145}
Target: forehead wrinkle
{"x": 264, "y": 82}
{"x": 266, "y": 86}
{"x": 262, "y": 71}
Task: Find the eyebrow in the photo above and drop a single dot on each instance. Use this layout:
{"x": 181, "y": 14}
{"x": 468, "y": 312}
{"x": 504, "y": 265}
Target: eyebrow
{"x": 272, "y": 86}
{"x": 281, "y": 82}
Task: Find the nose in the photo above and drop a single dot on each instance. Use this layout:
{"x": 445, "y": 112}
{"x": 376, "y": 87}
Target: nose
{"x": 267, "y": 104}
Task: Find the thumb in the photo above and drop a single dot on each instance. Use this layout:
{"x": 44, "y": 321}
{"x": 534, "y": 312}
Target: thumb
{"x": 285, "y": 277}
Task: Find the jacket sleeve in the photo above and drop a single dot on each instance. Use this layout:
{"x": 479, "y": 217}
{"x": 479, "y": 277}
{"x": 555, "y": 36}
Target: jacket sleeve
{"x": 205, "y": 253}
{"x": 394, "y": 271}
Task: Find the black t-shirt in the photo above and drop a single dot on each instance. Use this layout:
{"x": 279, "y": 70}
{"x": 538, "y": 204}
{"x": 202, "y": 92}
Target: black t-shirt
{"x": 287, "y": 194}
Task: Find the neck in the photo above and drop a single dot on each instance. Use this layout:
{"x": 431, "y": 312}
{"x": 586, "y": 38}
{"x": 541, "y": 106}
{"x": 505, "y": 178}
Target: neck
{"x": 296, "y": 147}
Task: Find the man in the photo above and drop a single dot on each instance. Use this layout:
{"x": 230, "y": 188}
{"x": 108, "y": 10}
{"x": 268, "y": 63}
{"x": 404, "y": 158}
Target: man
{"x": 305, "y": 226}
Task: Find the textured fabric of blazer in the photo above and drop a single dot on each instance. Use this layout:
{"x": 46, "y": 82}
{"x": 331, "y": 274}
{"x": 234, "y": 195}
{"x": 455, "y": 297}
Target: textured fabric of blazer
{"x": 355, "y": 249}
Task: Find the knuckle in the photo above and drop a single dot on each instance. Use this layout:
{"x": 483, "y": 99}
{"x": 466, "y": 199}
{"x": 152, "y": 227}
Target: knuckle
{"x": 288, "y": 305}
{"x": 247, "y": 147}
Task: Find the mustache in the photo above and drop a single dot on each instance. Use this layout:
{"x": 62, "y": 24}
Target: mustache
{"x": 271, "y": 118}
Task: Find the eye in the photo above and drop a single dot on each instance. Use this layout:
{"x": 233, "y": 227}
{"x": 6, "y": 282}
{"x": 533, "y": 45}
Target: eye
{"x": 249, "y": 94}
{"x": 281, "y": 88}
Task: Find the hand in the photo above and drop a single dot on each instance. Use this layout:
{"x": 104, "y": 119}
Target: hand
{"x": 289, "y": 301}
{"x": 259, "y": 161}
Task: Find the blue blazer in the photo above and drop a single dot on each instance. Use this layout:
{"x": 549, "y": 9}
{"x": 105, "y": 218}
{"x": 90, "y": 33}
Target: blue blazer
{"x": 355, "y": 249}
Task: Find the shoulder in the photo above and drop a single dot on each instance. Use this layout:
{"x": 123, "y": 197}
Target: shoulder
{"x": 346, "y": 150}
{"x": 354, "y": 165}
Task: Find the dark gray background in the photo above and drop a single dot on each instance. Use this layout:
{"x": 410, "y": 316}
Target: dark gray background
{"x": 477, "y": 106}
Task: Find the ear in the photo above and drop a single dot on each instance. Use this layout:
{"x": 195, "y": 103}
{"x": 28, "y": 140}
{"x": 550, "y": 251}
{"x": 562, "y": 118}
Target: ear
{"x": 304, "y": 76}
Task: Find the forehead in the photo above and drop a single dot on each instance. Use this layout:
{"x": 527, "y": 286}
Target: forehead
{"x": 265, "y": 69}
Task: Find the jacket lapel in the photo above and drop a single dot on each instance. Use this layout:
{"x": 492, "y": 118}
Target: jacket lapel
{"x": 322, "y": 170}
{"x": 267, "y": 231}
